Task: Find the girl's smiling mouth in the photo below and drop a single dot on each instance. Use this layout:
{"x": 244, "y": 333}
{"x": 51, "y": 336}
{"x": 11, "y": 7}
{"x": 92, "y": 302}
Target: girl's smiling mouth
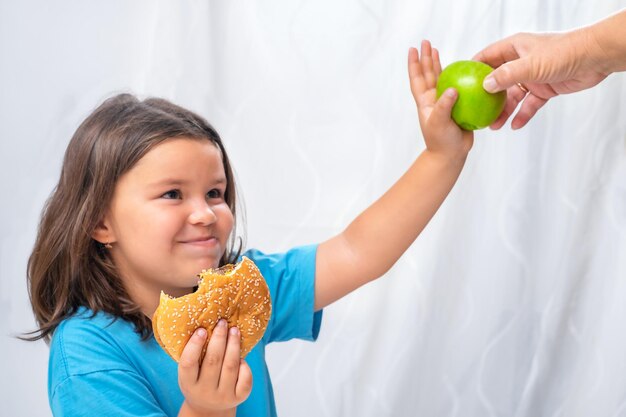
{"x": 202, "y": 241}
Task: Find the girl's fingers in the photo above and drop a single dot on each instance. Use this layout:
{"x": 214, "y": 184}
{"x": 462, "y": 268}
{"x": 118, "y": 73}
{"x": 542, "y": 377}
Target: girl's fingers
{"x": 214, "y": 356}
{"x": 424, "y": 68}
{"x": 190, "y": 358}
{"x": 436, "y": 62}
{"x": 415, "y": 74}
{"x": 230, "y": 366}
{"x": 443, "y": 107}
{"x": 244, "y": 382}
{"x": 427, "y": 65}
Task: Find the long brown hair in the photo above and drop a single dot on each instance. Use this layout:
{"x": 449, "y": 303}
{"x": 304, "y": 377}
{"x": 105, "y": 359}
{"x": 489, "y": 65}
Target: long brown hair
{"x": 67, "y": 268}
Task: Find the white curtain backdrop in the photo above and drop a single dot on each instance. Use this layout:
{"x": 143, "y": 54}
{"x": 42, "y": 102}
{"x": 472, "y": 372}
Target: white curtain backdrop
{"x": 511, "y": 303}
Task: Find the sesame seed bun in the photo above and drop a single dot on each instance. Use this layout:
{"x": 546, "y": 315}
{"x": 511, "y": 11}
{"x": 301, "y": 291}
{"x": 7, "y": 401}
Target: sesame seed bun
{"x": 236, "y": 293}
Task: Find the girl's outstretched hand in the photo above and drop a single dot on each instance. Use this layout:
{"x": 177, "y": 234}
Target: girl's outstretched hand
{"x": 216, "y": 384}
{"x": 441, "y": 134}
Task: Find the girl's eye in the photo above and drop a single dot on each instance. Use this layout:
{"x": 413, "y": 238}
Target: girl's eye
{"x": 172, "y": 194}
{"x": 214, "y": 193}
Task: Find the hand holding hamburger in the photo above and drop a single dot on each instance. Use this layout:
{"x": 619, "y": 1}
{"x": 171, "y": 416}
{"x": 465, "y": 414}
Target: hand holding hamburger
{"x": 237, "y": 294}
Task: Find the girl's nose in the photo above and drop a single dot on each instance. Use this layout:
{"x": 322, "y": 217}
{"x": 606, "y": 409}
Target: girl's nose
{"x": 202, "y": 214}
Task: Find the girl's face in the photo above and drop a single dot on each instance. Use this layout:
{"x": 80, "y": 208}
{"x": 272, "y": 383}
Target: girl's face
{"x": 168, "y": 219}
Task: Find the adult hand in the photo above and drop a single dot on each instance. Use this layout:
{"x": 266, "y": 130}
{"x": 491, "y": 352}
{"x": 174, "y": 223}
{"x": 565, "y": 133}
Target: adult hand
{"x": 534, "y": 68}
{"x": 216, "y": 384}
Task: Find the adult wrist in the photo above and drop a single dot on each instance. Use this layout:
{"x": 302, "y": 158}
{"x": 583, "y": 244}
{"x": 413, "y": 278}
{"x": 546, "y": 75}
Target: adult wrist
{"x": 606, "y": 43}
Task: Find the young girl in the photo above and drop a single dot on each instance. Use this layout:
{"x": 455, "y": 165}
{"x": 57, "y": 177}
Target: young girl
{"x": 145, "y": 201}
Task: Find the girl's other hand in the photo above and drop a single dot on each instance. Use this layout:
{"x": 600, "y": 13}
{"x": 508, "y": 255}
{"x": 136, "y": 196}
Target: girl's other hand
{"x": 442, "y": 136}
{"x": 216, "y": 384}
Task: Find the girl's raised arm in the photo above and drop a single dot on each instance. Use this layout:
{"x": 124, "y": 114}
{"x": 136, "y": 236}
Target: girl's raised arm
{"x": 377, "y": 238}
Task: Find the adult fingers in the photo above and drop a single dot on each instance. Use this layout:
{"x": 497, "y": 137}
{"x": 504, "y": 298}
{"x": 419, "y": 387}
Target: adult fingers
{"x": 510, "y": 66}
{"x": 509, "y": 74}
{"x": 530, "y": 106}
{"x": 513, "y": 97}
{"x": 190, "y": 358}
{"x": 499, "y": 52}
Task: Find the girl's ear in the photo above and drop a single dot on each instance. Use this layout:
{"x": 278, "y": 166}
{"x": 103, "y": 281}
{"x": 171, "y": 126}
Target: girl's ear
{"x": 103, "y": 232}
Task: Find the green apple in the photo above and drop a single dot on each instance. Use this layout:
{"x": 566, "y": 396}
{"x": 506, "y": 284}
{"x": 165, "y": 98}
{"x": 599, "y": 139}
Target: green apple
{"x": 475, "y": 108}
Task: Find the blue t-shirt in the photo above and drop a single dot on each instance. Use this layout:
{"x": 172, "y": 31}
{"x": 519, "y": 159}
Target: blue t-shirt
{"x": 100, "y": 366}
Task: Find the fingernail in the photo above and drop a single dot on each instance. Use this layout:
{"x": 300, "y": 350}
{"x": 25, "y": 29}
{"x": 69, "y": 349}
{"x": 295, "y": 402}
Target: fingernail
{"x": 222, "y": 323}
{"x": 234, "y": 331}
{"x": 201, "y": 332}
{"x": 490, "y": 84}
{"x": 450, "y": 92}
